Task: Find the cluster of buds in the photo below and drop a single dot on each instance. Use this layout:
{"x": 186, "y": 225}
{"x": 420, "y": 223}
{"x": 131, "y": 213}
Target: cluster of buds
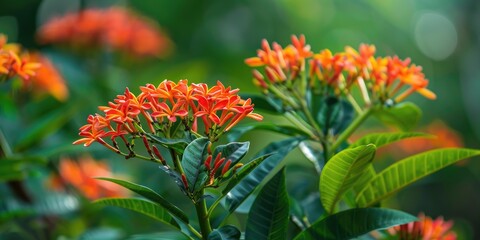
{"x": 165, "y": 110}
{"x": 379, "y": 79}
{"x": 425, "y": 228}
{"x": 36, "y": 71}
{"x": 114, "y": 27}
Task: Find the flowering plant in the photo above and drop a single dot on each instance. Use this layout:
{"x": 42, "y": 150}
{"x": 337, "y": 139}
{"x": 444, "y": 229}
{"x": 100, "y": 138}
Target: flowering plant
{"x": 325, "y": 96}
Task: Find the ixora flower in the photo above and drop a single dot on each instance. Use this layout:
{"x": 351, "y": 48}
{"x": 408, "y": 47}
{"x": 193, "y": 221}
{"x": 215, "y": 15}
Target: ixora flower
{"x": 114, "y": 27}
{"x": 35, "y": 70}
{"x": 80, "y": 174}
{"x": 172, "y": 115}
{"x": 379, "y": 79}
{"x": 425, "y": 228}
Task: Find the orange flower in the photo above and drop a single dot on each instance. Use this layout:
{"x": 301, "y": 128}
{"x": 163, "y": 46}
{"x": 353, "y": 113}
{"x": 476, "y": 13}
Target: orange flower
{"x": 13, "y": 62}
{"x": 47, "y": 78}
{"x": 81, "y": 176}
{"x": 219, "y": 108}
{"x": 425, "y": 228}
{"x": 115, "y": 27}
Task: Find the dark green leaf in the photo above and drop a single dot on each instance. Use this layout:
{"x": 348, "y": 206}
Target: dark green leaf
{"x": 160, "y": 236}
{"x": 235, "y": 133}
{"x": 268, "y": 217}
{"x": 58, "y": 203}
{"x": 313, "y": 151}
{"x": 145, "y": 207}
{"x": 354, "y": 222}
{"x": 381, "y": 139}
{"x": 193, "y": 163}
{"x": 234, "y": 151}
{"x": 176, "y": 178}
{"x": 246, "y": 186}
{"x": 150, "y": 195}
{"x": 342, "y": 171}
{"x": 409, "y": 170}
{"x": 265, "y": 103}
{"x": 404, "y": 115}
{"x": 334, "y": 115}
{"x": 178, "y": 145}
{"x": 227, "y": 232}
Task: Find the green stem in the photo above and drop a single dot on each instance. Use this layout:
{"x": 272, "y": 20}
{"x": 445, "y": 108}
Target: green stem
{"x": 353, "y": 126}
{"x": 193, "y": 230}
{"x": 176, "y": 161}
{"x": 300, "y": 123}
{"x": 203, "y": 218}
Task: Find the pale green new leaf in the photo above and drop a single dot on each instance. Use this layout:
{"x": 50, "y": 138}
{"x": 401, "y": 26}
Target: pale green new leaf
{"x": 141, "y": 206}
{"x": 381, "y": 139}
{"x": 341, "y": 172}
{"x": 409, "y": 170}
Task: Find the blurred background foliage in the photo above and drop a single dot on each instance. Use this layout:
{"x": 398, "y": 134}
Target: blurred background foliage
{"x": 211, "y": 39}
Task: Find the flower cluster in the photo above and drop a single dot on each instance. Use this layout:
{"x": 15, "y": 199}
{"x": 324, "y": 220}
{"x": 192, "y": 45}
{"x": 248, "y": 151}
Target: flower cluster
{"x": 378, "y": 78}
{"x": 114, "y": 27}
{"x": 14, "y": 62}
{"x": 81, "y": 176}
{"x": 425, "y": 228}
{"x": 164, "y": 109}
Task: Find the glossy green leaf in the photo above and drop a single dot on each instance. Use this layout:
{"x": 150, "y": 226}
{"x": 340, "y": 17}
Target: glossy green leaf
{"x": 313, "y": 151}
{"x": 177, "y": 178}
{"x": 381, "y": 139}
{"x": 145, "y": 207}
{"x": 334, "y": 115}
{"x": 227, "y": 232}
{"x": 403, "y": 115}
{"x": 246, "y": 186}
{"x": 267, "y": 103}
{"x": 268, "y": 217}
{"x": 409, "y": 170}
{"x": 160, "y": 236}
{"x": 354, "y": 223}
{"x": 193, "y": 163}
{"x": 150, "y": 195}
{"x": 243, "y": 172}
{"x": 178, "y": 145}
{"x": 238, "y": 131}
{"x": 234, "y": 151}
{"x": 342, "y": 171}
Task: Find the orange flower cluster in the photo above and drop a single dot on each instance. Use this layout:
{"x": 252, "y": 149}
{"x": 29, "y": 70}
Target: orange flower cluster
{"x": 378, "y": 78}
{"x": 425, "y": 228}
{"x": 81, "y": 176}
{"x": 114, "y": 27}
{"x": 15, "y": 63}
{"x": 218, "y": 107}
{"x": 35, "y": 70}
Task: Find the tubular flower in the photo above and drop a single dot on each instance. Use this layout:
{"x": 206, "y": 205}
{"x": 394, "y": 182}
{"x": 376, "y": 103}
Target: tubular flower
{"x": 14, "y": 62}
{"x": 379, "y": 79}
{"x": 165, "y": 109}
{"x": 426, "y": 229}
{"x": 81, "y": 176}
{"x": 114, "y": 27}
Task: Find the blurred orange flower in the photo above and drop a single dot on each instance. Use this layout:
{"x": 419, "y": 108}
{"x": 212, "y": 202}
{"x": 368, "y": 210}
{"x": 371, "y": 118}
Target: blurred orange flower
{"x": 114, "y": 27}
{"x": 47, "y": 78}
{"x": 425, "y": 228}
{"x": 80, "y": 174}
{"x": 15, "y": 62}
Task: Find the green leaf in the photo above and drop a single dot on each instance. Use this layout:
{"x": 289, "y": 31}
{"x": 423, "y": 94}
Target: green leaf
{"x": 335, "y": 115}
{"x": 354, "y": 222}
{"x": 235, "y": 133}
{"x": 243, "y": 172}
{"x": 41, "y": 128}
{"x": 268, "y": 103}
{"x": 141, "y": 206}
{"x": 193, "y": 163}
{"x": 404, "y": 115}
{"x": 56, "y": 204}
{"x": 381, "y": 139}
{"x": 160, "y": 236}
{"x": 342, "y": 171}
{"x": 268, "y": 217}
{"x": 409, "y": 170}
{"x": 17, "y": 167}
{"x": 227, "y": 232}
{"x": 246, "y": 186}
{"x": 178, "y": 145}
{"x": 150, "y": 195}
{"x": 234, "y": 151}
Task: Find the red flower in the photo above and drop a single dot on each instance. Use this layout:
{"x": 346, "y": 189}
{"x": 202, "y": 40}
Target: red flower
{"x": 425, "y": 228}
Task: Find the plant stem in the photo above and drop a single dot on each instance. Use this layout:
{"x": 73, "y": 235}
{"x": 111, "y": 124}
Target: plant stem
{"x": 346, "y": 134}
{"x": 203, "y": 218}
{"x": 176, "y": 161}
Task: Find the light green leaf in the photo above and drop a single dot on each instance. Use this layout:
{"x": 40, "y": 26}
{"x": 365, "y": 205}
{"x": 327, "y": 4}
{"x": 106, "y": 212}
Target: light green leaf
{"x": 381, "y": 139}
{"x": 227, "y": 232}
{"x": 353, "y": 223}
{"x": 150, "y": 195}
{"x": 342, "y": 171}
{"x": 193, "y": 163}
{"x": 268, "y": 217}
{"x": 403, "y": 115}
{"x": 141, "y": 206}
{"x": 409, "y": 170}
{"x": 246, "y": 186}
